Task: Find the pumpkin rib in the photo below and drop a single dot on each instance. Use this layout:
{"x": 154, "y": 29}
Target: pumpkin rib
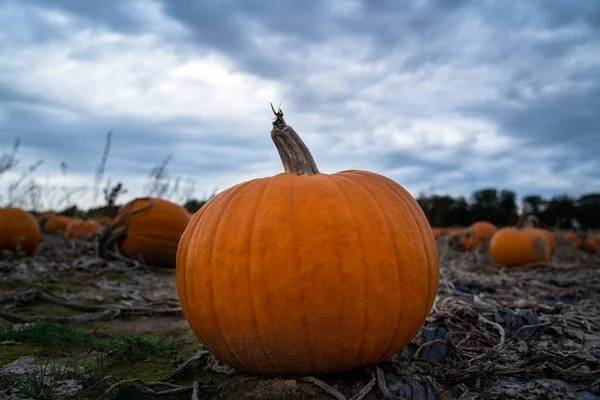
{"x": 402, "y": 193}
{"x": 386, "y": 223}
{"x": 192, "y": 247}
{"x": 182, "y": 251}
{"x": 227, "y": 202}
{"x": 253, "y": 225}
{"x": 190, "y": 287}
{"x": 193, "y": 305}
{"x": 430, "y": 245}
{"x": 420, "y": 240}
{"x": 304, "y": 315}
{"x": 186, "y": 248}
{"x": 423, "y": 227}
{"x": 361, "y": 252}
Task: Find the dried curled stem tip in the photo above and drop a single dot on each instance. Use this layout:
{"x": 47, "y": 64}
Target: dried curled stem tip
{"x": 294, "y": 154}
{"x": 279, "y": 121}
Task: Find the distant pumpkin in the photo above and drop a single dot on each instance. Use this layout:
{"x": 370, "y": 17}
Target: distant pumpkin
{"x": 570, "y": 236}
{"x": 478, "y": 234}
{"x": 146, "y": 229}
{"x": 514, "y": 247}
{"x": 19, "y": 230}
{"x": 457, "y": 238}
{"x": 43, "y": 217}
{"x": 586, "y": 243}
{"x": 105, "y": 221}
{"x": 81, "y": 229}
{"x": 57, "y": 224}
{"x": 550, "y": 237}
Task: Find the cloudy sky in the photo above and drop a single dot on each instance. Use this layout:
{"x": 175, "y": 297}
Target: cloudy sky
{"x": 443, "y": 95}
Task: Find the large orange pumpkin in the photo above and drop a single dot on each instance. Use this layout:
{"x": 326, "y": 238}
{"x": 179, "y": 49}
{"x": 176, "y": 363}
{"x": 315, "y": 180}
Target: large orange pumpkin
{"x": 57, "y": 224}
{"x": 307, "y": 273}
{"x": 478, "y": 234}
{"x": 147, "y": 229}
{"x": 81, "y": 229}
{"x": 19, "y": 231}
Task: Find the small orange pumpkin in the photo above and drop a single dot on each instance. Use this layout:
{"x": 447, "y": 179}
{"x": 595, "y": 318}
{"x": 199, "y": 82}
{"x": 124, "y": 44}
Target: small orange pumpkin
{"x": 19, "y": 230}
{"x": 478, "y": 234}
{"x": 570, "y": 236}
{"x": 57, "y": 224}
{"x": 43, "y": 217}
{"x": 81, "y": 229}
{"x": 585, "y": 243}
{"x": 307, "y": 273}
{"x": 148, "y": 229}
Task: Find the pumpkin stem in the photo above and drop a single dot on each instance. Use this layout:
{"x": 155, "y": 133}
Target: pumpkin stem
{"x": 294, "y": 154}
{"x": 521, "y": 221}
{"x": 108, "y": 238}
{"x": 113, "y": 232}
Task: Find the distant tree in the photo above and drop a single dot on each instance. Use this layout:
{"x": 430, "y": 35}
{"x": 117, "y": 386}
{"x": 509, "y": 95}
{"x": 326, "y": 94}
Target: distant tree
{"x": 588, "y": 210}
{"x": 500, "y": 208}
{"x": 484, "y": 205}
{"x": 459, "y": 213}
{"x": 558, "y": 208}
{"x": 72, "y": 211}
{"x": 507, "y": 208}
{"x": 193, "y": 205}
{"x": 534, "y": 202}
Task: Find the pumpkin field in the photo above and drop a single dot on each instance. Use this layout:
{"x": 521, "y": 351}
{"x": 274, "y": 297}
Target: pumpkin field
{"x": 303, "y": 285}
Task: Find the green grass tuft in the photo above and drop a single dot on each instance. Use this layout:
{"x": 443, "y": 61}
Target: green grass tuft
{"x": 112, "y": 347}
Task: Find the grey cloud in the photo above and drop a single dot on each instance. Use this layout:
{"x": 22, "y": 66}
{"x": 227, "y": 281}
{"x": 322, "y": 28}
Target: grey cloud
{"x": 137, "y": 146}
{"x": 112, "y": 13}
{"x": 570, "y": 119}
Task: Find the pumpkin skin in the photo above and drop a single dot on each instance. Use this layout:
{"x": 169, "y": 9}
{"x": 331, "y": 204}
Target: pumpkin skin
{"x": 18, "y": 229}
{"x": 43, "y": 217}
{"x": 57, "y": 224}
{"x": 105, "y": 221}
{"x": 514, "y": 247}
{"x": 588, "y": 245}
{"x": 151, "y": 229}
{"x": 570, "y": 236}
{"x": 480, "y": 234}
{"x": 550, "y": 237}
{"x": 302, "y": 273}
{"x": 81, "y": 230}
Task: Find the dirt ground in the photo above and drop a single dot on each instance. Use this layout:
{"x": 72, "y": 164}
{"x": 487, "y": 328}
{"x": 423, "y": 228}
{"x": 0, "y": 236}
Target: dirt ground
{"x": 75, "y": 326}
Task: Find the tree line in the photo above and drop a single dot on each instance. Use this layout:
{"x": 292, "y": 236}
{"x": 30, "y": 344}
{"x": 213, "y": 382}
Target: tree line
{"x": 497, "y": 206}
{"x": 500, "y": 208}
